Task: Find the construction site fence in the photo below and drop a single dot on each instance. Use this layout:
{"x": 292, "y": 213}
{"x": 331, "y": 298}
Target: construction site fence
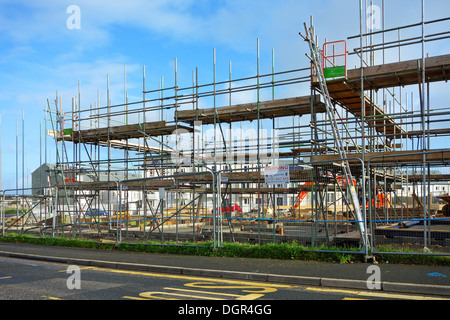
{"x": 314, "y": 209}
{"x": 415, "y": 213}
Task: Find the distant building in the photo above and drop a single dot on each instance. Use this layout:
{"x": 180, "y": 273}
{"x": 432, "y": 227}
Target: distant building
{"x": 48, "y": 175}
{"x": 44, "y": 177}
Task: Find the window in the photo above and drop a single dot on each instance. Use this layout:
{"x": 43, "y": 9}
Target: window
{"x": 331, "y": 197}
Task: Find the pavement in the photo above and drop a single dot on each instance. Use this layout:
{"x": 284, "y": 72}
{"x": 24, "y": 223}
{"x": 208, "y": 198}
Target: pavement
{"x": 408, "y": 279}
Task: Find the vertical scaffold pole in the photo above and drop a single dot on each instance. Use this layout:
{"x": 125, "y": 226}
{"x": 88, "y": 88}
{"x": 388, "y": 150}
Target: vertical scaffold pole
{"x": 422, "y": 114}
{"x": 363, "y": 128}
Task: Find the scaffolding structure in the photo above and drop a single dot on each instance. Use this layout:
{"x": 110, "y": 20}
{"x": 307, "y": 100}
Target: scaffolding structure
{"x": 163, "y": 168}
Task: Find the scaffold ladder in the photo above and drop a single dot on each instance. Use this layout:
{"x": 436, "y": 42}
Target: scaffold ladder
{"x": 310, "y": 37}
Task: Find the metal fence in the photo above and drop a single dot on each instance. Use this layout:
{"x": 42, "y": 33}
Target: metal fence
{"x": 314, "y": 208}
{"x": 413, "y": 211}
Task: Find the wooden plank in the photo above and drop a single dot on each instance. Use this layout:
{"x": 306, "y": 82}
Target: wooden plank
{"x": 307, "y": 151}
{"x": 394, "y": 156}
{"x": 402, "y": 73}
{"x": 263, "y": 190}
{"x": 117, "y": 144}
{"x": 232, "y": 177}
{"x": 350, "y": 99}
{"x": 348, "y": 91}
{"x": 124, "y": 132}
{"x": 238, "y": 177}
{"x": 269, "y": 190}
{"x": 153, "y": 184}
{"x": 433, "y": 177}
{"x": 431, "y": 132}
{"x": 243, "y": 112}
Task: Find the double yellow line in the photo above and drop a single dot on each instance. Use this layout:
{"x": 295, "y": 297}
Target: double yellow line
{"x": 253, "y": 290}
{"x": 181, "y": 294}
{"x": 374, "y": 294}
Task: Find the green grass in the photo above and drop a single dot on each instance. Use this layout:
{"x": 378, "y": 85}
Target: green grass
{"x": 409, "y": 256}
{"x": 13, "y": 211}
{"x": 48, "y": 241}
{"x": 283, "y": 251}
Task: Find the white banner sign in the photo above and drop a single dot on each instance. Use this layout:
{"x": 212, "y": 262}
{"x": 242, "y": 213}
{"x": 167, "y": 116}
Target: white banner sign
{"x": 276, "y": 175}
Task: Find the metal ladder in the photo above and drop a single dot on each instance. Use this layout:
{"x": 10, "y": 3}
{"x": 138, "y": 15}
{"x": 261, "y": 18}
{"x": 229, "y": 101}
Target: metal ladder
{"x": 330, "y": 109}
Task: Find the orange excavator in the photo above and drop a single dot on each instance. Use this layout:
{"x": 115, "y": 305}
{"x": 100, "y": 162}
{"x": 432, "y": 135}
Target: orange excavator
{"x": 380, "y": 200}
{"x": 300, "y": 197}
{"x": 302, "y": 194}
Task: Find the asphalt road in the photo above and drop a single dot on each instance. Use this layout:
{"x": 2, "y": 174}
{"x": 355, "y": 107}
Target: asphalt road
{"x": 22, "y": 279}
{"x": 189, "y": 285}
{"x": 36, "y": 280}
{"x": 419, "y": 275}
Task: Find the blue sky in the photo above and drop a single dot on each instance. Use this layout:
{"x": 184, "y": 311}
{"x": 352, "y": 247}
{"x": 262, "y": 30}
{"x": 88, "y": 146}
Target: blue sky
{"x": 39, "y": 55}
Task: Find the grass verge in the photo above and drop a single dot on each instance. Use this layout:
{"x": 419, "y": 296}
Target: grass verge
{"x": 283, "y": 251}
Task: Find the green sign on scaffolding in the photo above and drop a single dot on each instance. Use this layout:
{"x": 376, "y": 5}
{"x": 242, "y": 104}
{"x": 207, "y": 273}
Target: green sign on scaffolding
{"x": 334, "y": 72}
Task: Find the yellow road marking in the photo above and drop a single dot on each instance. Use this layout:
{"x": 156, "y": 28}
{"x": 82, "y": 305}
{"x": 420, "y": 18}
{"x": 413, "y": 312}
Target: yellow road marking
{"x": 377, "y": 294}
{"x": 134, "y": 298}
{"x": 200, "y": 294}
{"x": 237, "y": 296}
{"x": 212, "y": 285}
{"x": 81, "y": 268}
{"x": 256, "y": 289}
{"x": 197, "y": 278}
{"x": 52, "y": 298}
{"x": 7, "y": 277}
{"x": 151, "y": 294}
{"x": 205, "y": 292}
{"x": 250, "y": 297}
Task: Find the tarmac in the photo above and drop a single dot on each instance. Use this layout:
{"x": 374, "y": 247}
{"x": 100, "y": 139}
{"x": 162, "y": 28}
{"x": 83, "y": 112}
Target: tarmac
{"x": 397, "y": 278}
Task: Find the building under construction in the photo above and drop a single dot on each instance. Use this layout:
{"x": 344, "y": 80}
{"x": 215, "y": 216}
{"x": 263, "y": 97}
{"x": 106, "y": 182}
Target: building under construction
{"x": 358, "y": 161}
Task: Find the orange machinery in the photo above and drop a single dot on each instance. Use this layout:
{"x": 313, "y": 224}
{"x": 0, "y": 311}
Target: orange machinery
{"x": 380, "y": 200}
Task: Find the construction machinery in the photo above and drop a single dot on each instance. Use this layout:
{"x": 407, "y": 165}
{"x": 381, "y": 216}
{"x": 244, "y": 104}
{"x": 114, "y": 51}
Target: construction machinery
{"x": 300, "y": 197}
{"x": 446, "y": 208}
